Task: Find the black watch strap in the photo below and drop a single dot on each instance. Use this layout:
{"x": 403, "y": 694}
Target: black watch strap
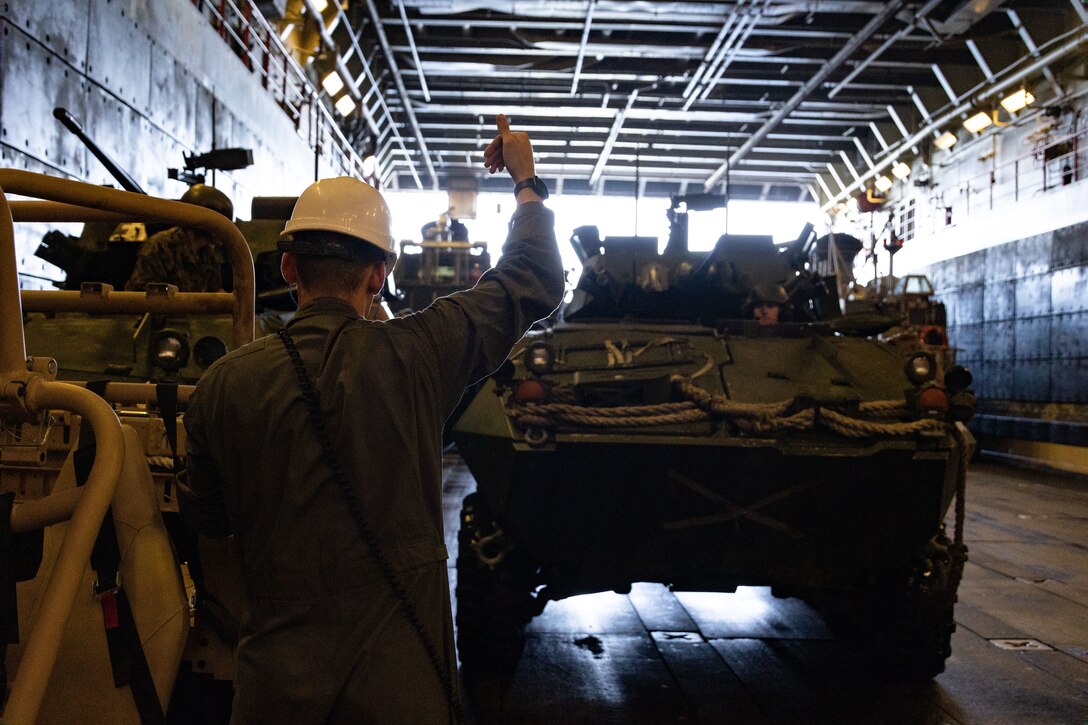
{"x": 535, "y": 183}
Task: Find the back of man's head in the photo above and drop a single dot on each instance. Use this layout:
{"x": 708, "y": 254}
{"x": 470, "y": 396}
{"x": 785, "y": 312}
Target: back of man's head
{"x": 335, "y": 275}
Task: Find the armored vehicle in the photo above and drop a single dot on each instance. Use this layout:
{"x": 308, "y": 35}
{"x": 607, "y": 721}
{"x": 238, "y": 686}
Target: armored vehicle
{"x": 77, "y": 486}
{"x": 654, "y": 431}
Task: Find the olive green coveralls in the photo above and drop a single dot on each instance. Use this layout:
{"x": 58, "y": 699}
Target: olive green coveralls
{"x": 322, "y": 637}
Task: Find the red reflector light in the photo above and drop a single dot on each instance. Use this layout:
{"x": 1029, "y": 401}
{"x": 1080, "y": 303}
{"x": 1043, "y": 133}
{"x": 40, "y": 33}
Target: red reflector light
{"x": 530, "y": 391}
{"x": 933, "y": 399}
{"x": 933, "y": 335}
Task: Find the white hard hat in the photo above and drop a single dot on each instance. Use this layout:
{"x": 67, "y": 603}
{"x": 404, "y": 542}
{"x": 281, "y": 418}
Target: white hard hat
{"x": 343, "y": 205}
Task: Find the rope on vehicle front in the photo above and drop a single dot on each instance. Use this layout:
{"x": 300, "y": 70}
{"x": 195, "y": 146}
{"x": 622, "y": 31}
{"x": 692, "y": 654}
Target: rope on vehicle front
{"x": 699, "y": 405}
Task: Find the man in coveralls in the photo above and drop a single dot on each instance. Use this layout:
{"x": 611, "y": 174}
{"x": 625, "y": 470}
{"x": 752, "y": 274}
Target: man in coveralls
{"x": 323, "y": 637}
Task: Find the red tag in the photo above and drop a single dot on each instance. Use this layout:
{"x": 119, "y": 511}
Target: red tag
{"x": 109, "y": 610}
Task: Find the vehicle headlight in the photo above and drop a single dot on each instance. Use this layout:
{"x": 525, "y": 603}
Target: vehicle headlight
{"x": 539, "y": 358}
{"x": 170, "y": 349}
{"x": 921, "y": 367}
{"x": 208, "y": 349}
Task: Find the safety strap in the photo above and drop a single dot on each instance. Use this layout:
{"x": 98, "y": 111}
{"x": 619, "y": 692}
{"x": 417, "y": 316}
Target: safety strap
{"x": 20, "y": 557}
{"x": 166, "y": 395}
{"x": 332, "y": 461}
{"x": 127, "y": 659}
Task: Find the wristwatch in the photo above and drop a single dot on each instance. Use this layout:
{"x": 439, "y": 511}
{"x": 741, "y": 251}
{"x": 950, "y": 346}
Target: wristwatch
{"x": 535, "y": 183}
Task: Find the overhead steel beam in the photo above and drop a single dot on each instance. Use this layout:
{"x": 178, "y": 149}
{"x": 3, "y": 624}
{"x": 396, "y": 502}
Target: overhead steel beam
{"x": 415, "y": 53}
{"x": 890, "y": 9}
{"x": 892, "y": 39}
{"x": 1014, "y": 18}
{"x": 353, "y": 86}
{"x": 582, "y": 47}
{"x": 835, "y": 175}
{"x": 918, "y": 102}
{"x": 863, "y": 152}
{"x": 944, "y": 83}
{"x": 711, "y": 53}
{"x": 609, "y": 142}
{"x": 1082, "y": 13}
{"x": 879, "y": 136}
{"x": 849, "y": 165}
{"x": 982, "y": 64}
{"x": 409, "y": 112}
{"x": 731, "y": 52}
{"x": 1075, "y": 44}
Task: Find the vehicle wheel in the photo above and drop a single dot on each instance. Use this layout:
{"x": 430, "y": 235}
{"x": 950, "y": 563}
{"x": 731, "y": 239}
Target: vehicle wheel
{"x": 901, "y": 622}
{"x": 494, "y": 592}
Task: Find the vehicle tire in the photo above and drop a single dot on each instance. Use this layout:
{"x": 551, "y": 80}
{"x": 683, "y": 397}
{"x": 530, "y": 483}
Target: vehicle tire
{"x": 900, "y": 622}
{"x": 494, "y": 600}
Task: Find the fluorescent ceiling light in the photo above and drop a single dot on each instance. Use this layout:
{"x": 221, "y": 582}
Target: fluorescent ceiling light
{"x": 946, "y": 141}
{"x": 883, "y": 183}
{"x": 345, "y": 105}
{"x": 320, "y": 5}
{"x": 1017, "y": 100}
{"x": 332, "y": 83}
{"x": 901, "y": 170}
{"x": 977, "y": 122}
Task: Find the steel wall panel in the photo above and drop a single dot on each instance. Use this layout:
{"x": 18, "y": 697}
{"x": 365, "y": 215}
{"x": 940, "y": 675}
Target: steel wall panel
{"x": 1069, "y": 289}
{"x": 203, "y": 134}
{"x": 965, "y": 305}
{"x": 60, "y": 26}
{"x": 999, "y": 383}
{"x": 1033, "y": 254}
{"x": 998, "y": 342}
{"x": 1070, "y": 381}
{"x": 970, "y": 268}
{"x": 26, "y": 111}
{"x": 1032, "y": 338}
{"x": 1000, "y": 262}
{"x": 1033, "y": 296}
{"x": 1069, "y": 335}
{"x": 967, "y": 339}
{"x": 980, "y": 372}
{"x": 119, "y": 50}
{"x": 1070, "y": 246}
{"x": 999, "y": 300}
{"x": 941, "y": 276}
{"x": 122, "y": 133}
{"x": 1031, "y": 380}
{"x": 172, "y": 95}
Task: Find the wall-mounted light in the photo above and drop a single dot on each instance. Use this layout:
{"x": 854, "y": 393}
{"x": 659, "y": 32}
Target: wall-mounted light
{"x": 883, "y": 183}
{"x": 320, "y": 5}
{"x": 1017, "y": 100}
{"x": 979, "y": 121}
{"x": 946, "y": 141}
{"x": 345, "y": 105}
{"x": 901, "y": 170}
{"x": 332, "y": 83}
{"x": 370, "y": 165}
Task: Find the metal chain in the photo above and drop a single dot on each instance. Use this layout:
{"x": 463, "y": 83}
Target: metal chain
{"x": 313, "y": 407}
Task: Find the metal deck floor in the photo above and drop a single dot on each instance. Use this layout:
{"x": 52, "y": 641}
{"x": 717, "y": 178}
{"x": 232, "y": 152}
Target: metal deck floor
{"x": 654, "y": 656}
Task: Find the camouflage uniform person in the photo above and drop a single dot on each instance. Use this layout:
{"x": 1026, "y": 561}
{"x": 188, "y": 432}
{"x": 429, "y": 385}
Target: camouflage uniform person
{"x": 189, "y": 258}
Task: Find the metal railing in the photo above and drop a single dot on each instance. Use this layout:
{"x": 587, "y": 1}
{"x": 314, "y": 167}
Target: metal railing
{"x": 1050, "y": 166}
{"x": 253, "y": 39}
